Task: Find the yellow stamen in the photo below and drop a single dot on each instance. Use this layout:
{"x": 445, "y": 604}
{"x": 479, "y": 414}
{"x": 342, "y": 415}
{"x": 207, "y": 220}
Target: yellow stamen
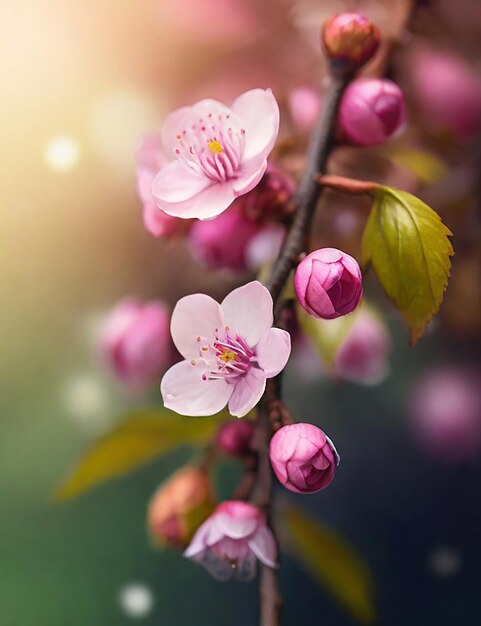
{"x": 214, "y": 146}
{"x": 227, "y": 357}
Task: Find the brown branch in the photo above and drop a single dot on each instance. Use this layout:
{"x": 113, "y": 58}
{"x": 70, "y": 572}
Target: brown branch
{"x": 270, "y": 597}
{"x": 347, "y": 185}
{"x": 272, "y": 412}
{"x": 308, "y": 193}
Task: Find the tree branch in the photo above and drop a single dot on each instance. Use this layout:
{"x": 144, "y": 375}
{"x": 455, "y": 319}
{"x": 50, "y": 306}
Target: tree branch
{"x": 308, "y": 192}
{"x": 270, "y": 414}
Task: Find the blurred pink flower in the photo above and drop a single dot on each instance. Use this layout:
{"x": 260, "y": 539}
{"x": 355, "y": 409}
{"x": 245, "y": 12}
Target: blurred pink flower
{"x": 215, "y": 21}
{"x": 223, "y": 241}
{"x": 445, "y": 413}
{"x": 150, "y": 160}
{"x": 215, "y": 153}
{"x": 234, "y": 437}
{"x": 230, "y": 349}
{"x": 328, "y": 283}
{"x": 135, "y": 341}
{"x": 363, "y": 355}
{"x": 264, "y": 247}
{"x": 448, "y": 91}
{"x": 371, "y": 111}
{"x": 231, "y": 540}
{"x": 305, "y": 106}
{"x": 303, "y": 458}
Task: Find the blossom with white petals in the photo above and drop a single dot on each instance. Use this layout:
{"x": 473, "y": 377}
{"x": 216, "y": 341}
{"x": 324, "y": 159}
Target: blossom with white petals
{"x": 230, "y": 349}
{"x": 231, "y": 540}
{"x": 215, "y": 153}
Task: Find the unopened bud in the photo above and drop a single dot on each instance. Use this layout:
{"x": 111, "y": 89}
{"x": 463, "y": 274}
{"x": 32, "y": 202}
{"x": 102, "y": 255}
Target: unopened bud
{"x": 233, "y": 437}
{"x": 328, "y": 283}
{"x": 179, "y": 506}
{"x": 350, "y": 40}
{"x": 303, "y": 458}
{"x": 371, "y": 111}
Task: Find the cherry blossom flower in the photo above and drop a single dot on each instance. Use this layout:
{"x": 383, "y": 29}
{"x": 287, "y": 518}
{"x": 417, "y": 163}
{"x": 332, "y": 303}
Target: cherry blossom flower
{"x": 215, "y": 153}
{"x": 231, "y": 540}
{"x": 150, "y": 159}
{"x": 230, "y": 349}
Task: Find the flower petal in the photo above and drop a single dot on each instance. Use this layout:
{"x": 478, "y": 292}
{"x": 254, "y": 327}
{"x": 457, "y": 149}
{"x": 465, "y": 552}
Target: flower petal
{"x": 249, "y": 178}
{"x": 247, "y": 393}
{"x": 176, "y": 182}
{"x": 205, "y": 536}
{"x": 235, "y": 528}
{"x": 273, "y": 350}
{"x": 248, "y": 311}
{"x": 259, "y": 111}
{"x": 185, "y": 117}
{"x": 184, "y": 391}
{"x": 196, "y": 315}
{"x": 210, "y": 202}
{"x": 263, "y": 545}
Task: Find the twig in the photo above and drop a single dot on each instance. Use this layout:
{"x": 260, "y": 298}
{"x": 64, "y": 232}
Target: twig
{"x": 304, "y": 203}
{"x": 308, "y": 193}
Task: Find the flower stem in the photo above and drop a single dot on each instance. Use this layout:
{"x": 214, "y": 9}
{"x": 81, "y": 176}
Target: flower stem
{"x": 304, "y": 203}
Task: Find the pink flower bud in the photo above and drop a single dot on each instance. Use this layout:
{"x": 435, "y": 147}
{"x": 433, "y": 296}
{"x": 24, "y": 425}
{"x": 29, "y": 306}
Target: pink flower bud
{"x": 179, "y": 506}
{"x": 448, "y": 92}
{"x": 350, "y": 40}
{"x": 136, "y": 341}
{"x": 305, "y": 106}
{"x": 303, "y": 458}
{"x": 234, "y": 437}
{"x": 371, "y": 111}
{"x": 363, "y": 355}
{"x": 328, "y": 283}
{"x": 270, "y": 198}
{"x": 231, "y": 540}
{"x": 223, "y": 241}
{"x": 445, "y": 413}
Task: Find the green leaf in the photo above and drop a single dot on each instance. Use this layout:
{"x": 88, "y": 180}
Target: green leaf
{"x": 333, "y": 562}
{"x": 408, "y": 247}
{"x": 426, "y": 166}
{"x": 141, "y": 437}
{"x": 326, "y": 335}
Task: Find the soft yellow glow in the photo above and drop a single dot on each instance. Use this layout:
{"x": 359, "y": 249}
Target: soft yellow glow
{"x": 62, "y": 153}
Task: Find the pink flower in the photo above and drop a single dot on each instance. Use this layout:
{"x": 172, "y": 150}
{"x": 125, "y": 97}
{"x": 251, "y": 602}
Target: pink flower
{"x": 305, "y": 106}
{"x": 303, "y": 458}
{"x": 234, "y": 437}
{"x": 150, "y": 160}
{"x": 448, "y": 91}
{"x": 445, "y": 413}
{"x": 229, "y": 349}
{"x": 264, "y": 247}
{"x": 223, "y": 241}
{"x": 328, "y": 283}
{"x": 363, "y": 354}
{"x": 371, "y": 111}
{"x": 231, "y": 539}
{"x": 135, "y": 341}
{"x": 215, "y": 153}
